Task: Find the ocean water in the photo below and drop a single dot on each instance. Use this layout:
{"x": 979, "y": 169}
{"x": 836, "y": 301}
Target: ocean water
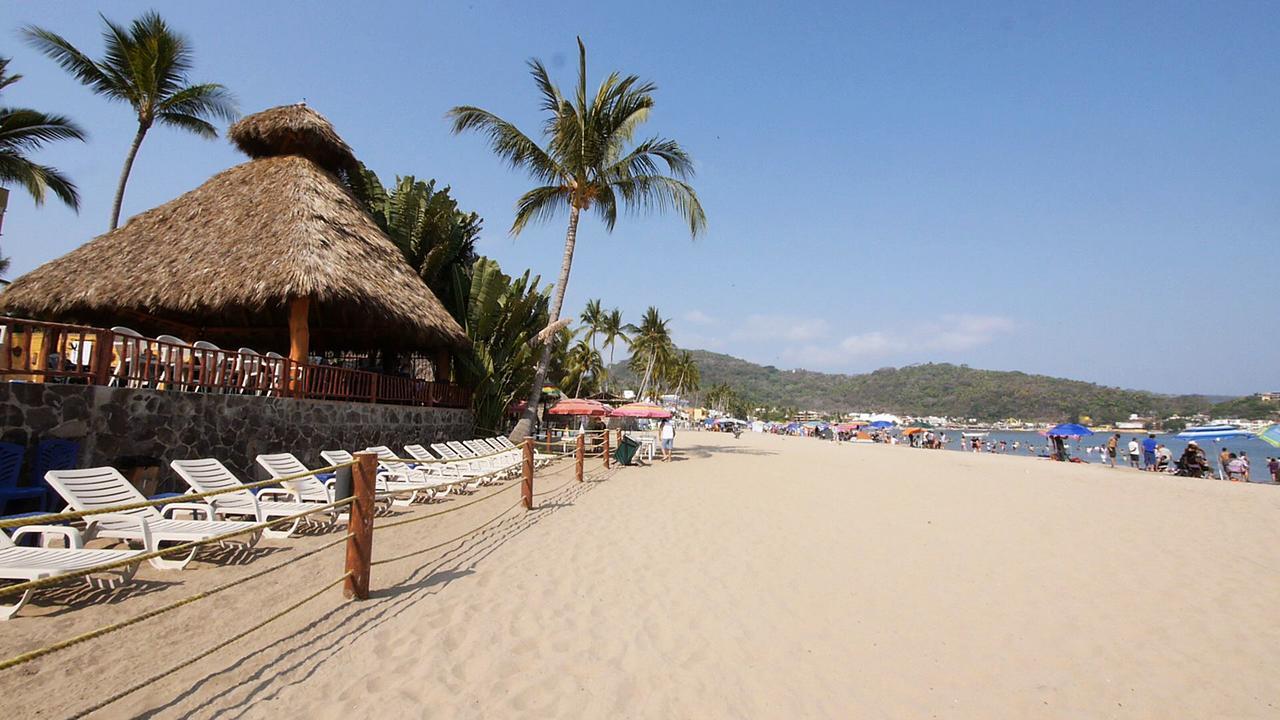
{"x": 1257, "y": 450}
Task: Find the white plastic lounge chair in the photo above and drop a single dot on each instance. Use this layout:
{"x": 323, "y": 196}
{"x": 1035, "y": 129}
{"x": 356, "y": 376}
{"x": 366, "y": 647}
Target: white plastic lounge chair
{"x": 439, "y": 477}
{"x": 249, "y": 370}
{"x": 128, "y": 346}
{"x": 460, "y": 467}
{"x": 208, "y": 474}
{"x": 28, "y": 563}
{"x": 384, "y": 482}
{"x": 103, "y": 487}
{"x": 175, "y": 361}
{"x": 309, "y": 488}
{"x": 273, "y": 370}
{"x": 503, "y": 441}
{"x": 505, "y": 461}
{"x": 485, "y": 461}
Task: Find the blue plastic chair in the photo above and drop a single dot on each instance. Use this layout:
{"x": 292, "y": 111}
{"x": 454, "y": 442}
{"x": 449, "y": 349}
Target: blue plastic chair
{"x": 53, "y": 455}
{"x": 11, "y": 455}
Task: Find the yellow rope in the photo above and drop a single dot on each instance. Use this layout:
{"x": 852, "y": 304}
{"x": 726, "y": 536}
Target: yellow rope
{"x": 107, "y": 629}
{"x": 61, "y": 517}
{"x": 180, "y": 548}
{"x": 205, "y": 653}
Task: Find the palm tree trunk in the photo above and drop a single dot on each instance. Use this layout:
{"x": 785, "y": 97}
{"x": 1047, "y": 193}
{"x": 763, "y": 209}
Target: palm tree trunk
{"x": 525, "y": 426}
{"x": 124, "y": 175}
{"x": 645, "y": 382}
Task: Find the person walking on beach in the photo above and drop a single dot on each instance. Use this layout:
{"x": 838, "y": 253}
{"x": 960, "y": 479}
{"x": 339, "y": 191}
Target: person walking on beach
{"x": 1133, "y": 452}
{"x": 1113, "y": 448}
{"x": 1244, "y": 460}
{"x": 1223, "y": 457}
{"x": 667, "y": 434}
{"x": 1273, "y": 465}
{"x": 1149, "y": 452}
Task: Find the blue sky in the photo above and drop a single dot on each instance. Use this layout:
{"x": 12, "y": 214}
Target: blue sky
{"x": 1083, "y": 190}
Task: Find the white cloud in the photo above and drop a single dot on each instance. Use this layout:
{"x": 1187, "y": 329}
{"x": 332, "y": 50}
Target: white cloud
{"x": 784, "y": 328}
{"x": 697, "y": 317}
{"x": 950, "y": 333}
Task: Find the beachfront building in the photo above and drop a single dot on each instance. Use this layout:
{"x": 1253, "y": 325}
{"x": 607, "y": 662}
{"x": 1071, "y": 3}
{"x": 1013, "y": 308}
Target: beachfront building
{"x": 276, "y": 257}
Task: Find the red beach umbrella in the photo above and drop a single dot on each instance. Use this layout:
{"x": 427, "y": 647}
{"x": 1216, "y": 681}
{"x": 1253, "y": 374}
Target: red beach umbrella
{"x": 579, "y": 407}
{"x": 641, "y": 410}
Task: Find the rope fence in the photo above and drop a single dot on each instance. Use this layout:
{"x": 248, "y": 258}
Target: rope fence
{"x": 361, "y": 529}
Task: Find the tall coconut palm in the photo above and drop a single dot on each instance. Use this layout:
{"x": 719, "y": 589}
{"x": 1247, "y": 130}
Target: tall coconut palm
{"x": 583, "y": 361}
{"x": 651, "y": 346}
{"x": 588, "y": 162}
{"x": 146, "y": 66}
{"x": 611, "y": 331}
{"x": 685, "y": 369}
{"x": 592, "y": 316}
{"x": 23, "y": 130}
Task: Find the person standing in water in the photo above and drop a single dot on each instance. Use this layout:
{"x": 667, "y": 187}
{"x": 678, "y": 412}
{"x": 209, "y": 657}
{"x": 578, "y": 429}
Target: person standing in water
{"x": 1113, "y": 448}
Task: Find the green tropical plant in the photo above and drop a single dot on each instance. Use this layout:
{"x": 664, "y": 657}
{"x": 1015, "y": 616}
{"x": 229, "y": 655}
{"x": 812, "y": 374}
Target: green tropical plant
{"x": 435, "y": 236}
{"x": 685, "y": 371}
{"x": 22, "y": 131}
{"x": 502, "y": 316}
{"x": 146, "y": 66}
{"x": 588, "y": 163}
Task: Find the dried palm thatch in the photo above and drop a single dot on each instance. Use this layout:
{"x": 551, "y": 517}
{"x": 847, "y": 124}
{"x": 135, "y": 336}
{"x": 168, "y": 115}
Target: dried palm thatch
{"x": 223, "y": 261}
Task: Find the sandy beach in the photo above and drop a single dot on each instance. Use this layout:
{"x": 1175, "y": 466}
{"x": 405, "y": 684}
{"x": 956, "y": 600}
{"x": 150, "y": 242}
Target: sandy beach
{"x": 762, "y": 577}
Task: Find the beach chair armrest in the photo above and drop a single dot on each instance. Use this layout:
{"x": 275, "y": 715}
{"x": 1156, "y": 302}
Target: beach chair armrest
{"x": 143, "y": 526}
{"x": 194, "y": 507}
{"x": 276, "y": 493}
{"x": 75, "y": 540}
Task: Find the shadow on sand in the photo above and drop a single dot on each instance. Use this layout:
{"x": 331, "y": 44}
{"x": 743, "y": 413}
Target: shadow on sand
{"x": 306, "y": 649}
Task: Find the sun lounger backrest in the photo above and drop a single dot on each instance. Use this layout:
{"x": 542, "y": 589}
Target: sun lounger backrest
{"x": 207, "y": 475}
{"x": 336, "y": 457}
{"x": 93, "y": 488}
{"x": 505, "y": 442}
{"x": 494, "y": 445}
{"x": 445, "y": 451}
{"x": 285, "y": 464}
{"x": 418, "y": 452}
{"x": 478, "y": 447}
{"x": 462, "y": 450}
{"x": 387, "y": 459}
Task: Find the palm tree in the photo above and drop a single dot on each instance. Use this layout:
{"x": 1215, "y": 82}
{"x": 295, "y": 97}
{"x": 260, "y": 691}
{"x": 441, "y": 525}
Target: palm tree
{"x": 685, "y": 368}
{"x": 611, "y": 331}
{"x": 650, "y": 346}
{"x": 588, "y": 163}
{"x": 23, "y": 130}
{"x": 146, "y": 66}
{"x": 592, "y": 316}
{"x": 584, "y": 360}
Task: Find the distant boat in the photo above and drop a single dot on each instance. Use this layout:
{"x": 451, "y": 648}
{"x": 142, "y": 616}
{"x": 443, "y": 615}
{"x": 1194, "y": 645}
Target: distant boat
{"x": 971, "y": 435}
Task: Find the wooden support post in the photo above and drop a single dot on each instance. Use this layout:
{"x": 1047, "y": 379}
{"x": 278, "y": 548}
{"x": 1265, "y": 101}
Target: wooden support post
{"x": 606, "y": 449}
{"x": 360, "y": 527}
{"x": 526, "y": 485}
{"x": 580, "y": 455}
{"x": 103, "y": 354}
{"x": 299, "y": 333}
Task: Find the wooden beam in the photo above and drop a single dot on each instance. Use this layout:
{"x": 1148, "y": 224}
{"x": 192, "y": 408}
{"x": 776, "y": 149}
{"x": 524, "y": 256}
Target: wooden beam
{"x": 299, "y": 331}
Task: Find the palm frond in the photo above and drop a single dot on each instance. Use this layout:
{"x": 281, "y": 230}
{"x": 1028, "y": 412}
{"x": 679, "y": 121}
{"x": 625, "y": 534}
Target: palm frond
{"x": 56, "y": 48}
{"x": 26, "y": 129}
{"x": 540, "y": 203}
{"x": 202, "y": 100}
{"x": 190, "y": 123}
{"x": 38, "y": 180}
{"x": 648, "y": 193}
{"x": 507, "y": 142}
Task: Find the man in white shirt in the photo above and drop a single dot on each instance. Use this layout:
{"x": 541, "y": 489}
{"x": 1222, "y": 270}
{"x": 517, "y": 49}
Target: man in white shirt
{"x": 1135, "y": 451}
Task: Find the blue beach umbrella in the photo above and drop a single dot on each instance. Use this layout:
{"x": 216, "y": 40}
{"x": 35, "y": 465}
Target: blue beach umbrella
{"x": 1069, "y": 430}
{"x": 881, "y": 424}
{"x": 1270, "y": 435}
{"x": 1213, "y": 432}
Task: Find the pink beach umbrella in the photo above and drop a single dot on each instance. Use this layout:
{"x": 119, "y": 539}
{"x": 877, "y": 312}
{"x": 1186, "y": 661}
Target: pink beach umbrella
{"x": 641, "y": 410}
{"x": 579, "y": 407}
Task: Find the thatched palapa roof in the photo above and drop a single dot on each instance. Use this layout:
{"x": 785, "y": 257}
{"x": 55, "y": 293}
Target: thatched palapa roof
{"x": 226, "y": 258}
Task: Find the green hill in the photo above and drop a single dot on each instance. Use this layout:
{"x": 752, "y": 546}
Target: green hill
{"x": 937, "y": 389}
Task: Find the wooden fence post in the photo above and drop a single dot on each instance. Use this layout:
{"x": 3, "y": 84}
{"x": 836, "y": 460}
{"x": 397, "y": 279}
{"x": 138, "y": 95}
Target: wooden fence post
{"x": 360, "y": 527}
{"x": 526, "y": 485}
{"x": 579, "y": 454}
{"x": 606, "y": 449}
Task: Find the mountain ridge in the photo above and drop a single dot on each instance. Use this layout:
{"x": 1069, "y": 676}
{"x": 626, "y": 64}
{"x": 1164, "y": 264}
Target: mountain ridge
{"x": 943, "y": 389}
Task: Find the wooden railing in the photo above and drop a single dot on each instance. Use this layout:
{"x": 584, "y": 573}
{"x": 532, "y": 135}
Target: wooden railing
{"x": 36, "y": 351}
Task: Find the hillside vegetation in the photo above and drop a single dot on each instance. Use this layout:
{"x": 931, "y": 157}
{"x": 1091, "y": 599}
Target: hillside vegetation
{"x": 943, "y": 389}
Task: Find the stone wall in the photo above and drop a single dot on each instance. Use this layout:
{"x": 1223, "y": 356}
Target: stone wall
{"x": 110, "y": 423}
